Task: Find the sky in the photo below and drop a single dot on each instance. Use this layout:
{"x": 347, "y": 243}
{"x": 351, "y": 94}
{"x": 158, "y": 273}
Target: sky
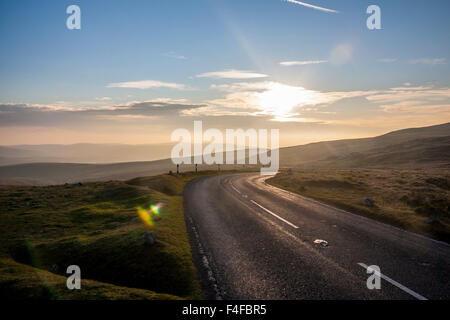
{"x": 137, "y": 69}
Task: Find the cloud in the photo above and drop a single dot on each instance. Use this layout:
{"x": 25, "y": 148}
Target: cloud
{"x": 276, "y": 100}
{"x": 127, "y": 117}
{"x": 174, "y": 55}
{"x": 301, "y": 63}
{"x": 232, "y": 74}
{"x": 217, "y": 111}
{"x": 146, "y": 84}
{"x": 416, "y": 100}
{"x": 429, "y": 61}
{"x": 299, "y": 120}
{"x": 425, "y": 61}
{"x": 404, "y": 94}
{"x": 57, "y": 116}
{"x": 417, "y": 107}
{"x": 169, "y": 100}
{"x": 389, "y": 122}
{"x": 103, "y": 99}
{"x": 312, "y": 6}
{"x": 288, "y": 103}
{"x": 409, "y": 88}
{"x": 263, "y": 100}
{"x": 241, "y": 86}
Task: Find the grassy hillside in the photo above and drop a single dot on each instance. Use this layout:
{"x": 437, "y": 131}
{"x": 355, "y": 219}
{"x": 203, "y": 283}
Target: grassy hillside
{"x": 97, "y": 227}
{"x": 419, "y": 153}
{"x": 409, "y": 148}
{"x": 416, "y": 200}
{"x": 42, "y": 174}
{"x": 60, "y": 173}
{"x": 19, "y": 281}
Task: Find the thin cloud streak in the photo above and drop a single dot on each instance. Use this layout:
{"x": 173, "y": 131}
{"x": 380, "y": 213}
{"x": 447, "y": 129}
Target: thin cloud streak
{"x": 146, "y": 84}
{"x": 232, "y": 74}
{"x": 301, "y": 63}
{"x": 312, "y": 6}
{"x": 429, "y": 61}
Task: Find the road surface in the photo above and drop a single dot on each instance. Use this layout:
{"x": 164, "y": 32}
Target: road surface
{"x": 254, "y": 241}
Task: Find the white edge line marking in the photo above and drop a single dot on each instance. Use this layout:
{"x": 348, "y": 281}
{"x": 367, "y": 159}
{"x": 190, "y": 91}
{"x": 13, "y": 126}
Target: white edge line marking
{"x": 276, "y": 216}
{"x": 235, "y": 188}
{"x": 395, "y": 283}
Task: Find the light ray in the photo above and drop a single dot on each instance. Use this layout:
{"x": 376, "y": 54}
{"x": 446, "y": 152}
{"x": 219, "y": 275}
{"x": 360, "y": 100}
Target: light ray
{"x": 312, "y": 6}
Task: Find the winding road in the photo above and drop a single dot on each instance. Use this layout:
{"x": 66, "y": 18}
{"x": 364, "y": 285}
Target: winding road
{"x": 251, "y": 240}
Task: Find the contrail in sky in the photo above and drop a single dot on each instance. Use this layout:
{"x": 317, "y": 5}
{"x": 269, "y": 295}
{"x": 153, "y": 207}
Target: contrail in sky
{"x": 312, "y": 6}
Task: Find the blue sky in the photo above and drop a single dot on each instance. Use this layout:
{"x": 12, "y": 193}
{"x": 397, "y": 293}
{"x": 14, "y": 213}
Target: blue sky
{"x": 182, "y": 48}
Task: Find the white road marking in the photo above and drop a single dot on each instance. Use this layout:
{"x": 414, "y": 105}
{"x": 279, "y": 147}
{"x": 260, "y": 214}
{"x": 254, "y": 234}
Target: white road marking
{"x": 275, "y": 215}
{"x": 395, "y": 283}
{"x": 232, "y": 185}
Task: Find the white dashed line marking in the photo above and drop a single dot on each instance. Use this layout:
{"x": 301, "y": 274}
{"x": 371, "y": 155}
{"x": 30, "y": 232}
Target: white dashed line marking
{"x": 395, "y": 283}
{"x": 234, "y": 188}
{"x": 275, "y": 215}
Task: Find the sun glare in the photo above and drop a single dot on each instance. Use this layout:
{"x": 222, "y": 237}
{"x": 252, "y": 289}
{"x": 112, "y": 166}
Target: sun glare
{"x": 280, "y": 99}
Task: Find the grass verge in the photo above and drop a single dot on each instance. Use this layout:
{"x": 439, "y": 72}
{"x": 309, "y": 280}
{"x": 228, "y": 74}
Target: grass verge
{"x": 96, "y": 226}
{"x": 415, "y": 200}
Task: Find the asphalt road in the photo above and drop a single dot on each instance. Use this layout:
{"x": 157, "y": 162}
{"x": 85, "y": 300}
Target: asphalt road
{"x": 254, "y": 241}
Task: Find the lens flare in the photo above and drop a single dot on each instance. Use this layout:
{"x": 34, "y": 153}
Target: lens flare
{"x": 155, "y": 208}
{"x": 147, "y": 215}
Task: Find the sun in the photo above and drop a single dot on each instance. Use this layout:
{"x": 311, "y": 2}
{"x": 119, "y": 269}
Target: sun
{"x": 280, "y": 99}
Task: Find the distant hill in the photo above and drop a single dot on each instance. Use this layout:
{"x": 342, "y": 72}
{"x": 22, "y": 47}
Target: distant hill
{"x": 83, "y": 153}
{"x": 427, "y": 147}
{"x": 57, "y": 173}
{"x": 60, "y": 173}
{"x": 409, "y": 148}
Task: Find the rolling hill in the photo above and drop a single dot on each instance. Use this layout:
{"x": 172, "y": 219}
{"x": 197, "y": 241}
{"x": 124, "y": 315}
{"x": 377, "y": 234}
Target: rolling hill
{"x": 408, "y": 148}
{"x": 427, "y": 147}
{"x": 83, "y": 153}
